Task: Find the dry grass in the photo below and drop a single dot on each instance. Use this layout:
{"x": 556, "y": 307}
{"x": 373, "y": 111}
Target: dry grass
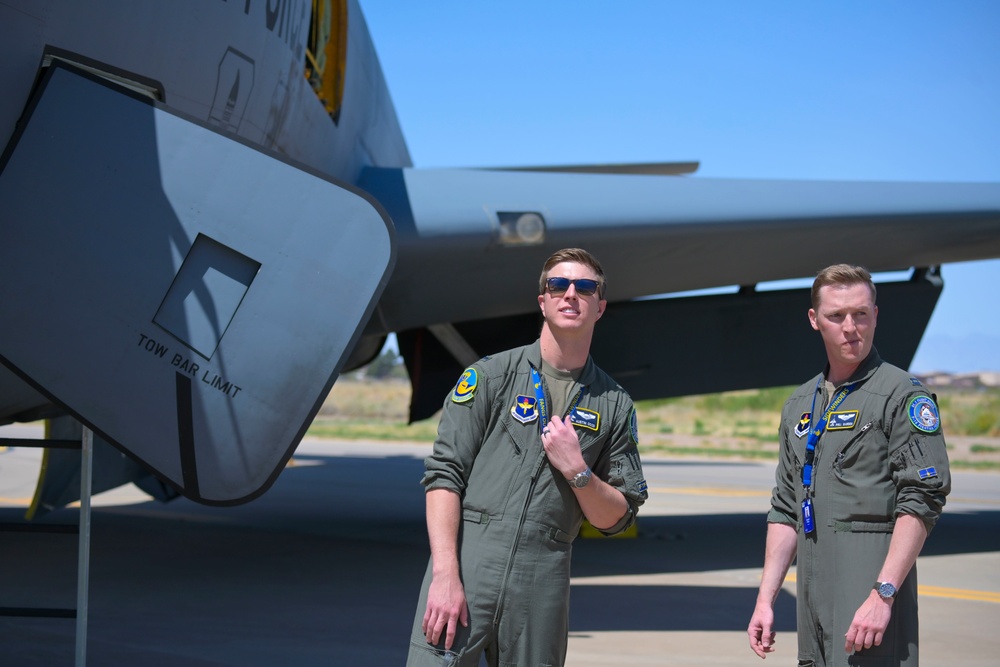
{"x": 740, "y": 424}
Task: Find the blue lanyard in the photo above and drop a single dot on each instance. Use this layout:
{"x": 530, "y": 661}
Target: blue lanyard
{"x": 815, "y": 433}
{"x": 543, "y": 410}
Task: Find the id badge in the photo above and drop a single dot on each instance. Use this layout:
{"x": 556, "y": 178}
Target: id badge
{"x": 808, "y": 525}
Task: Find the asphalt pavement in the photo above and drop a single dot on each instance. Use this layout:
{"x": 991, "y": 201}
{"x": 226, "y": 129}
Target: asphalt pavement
{"x": 324, "y": 569}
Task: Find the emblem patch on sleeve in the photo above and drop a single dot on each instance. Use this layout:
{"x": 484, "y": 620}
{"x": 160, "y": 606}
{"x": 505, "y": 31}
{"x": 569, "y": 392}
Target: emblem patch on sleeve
{"x": 466, "y": 387}
{"x": 525, "y": 409}
{"x": 803, "y": 426}
{"x": 927, "y": 473}
{"x": 633, "y": 427}
{"x": 924, "y": 415}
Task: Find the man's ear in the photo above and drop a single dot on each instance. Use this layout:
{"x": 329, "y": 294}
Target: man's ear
{"x": 812, "y": 319}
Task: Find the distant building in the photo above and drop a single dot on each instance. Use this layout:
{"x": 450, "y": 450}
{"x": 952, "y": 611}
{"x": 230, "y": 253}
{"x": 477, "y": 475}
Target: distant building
{"x": 961, "y": 380}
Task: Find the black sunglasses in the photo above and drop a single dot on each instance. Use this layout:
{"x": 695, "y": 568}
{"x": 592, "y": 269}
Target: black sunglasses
{"x": 584, "y": 286}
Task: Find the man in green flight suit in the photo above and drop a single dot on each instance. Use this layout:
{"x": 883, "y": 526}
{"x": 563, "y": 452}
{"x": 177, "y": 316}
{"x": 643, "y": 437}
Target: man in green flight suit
{"x": 531, "y": 441}
{"x": 862, "y": 478}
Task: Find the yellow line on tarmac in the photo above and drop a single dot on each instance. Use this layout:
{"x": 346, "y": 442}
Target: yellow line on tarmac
{"x": 959, "y": 594}
{"x": 974, "y": 501}
{"x": 703, "y": 491}
{"x": 944, "y": 592}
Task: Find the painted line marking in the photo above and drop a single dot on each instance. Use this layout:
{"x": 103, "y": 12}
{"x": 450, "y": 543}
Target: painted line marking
{"x": 944, "y": 592}
{"x": 703, "y": 491}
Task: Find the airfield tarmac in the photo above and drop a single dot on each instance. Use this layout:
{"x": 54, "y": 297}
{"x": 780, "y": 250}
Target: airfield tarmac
{"x": 325, "y": 567}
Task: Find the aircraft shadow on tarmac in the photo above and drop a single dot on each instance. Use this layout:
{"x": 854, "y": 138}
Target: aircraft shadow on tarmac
{"x": 388, "y": 490}
{"x": 670, "y": 609}
{"x": 328, "y": 564}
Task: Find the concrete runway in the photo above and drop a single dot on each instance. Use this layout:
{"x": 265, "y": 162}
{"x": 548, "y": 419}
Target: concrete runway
{"x": 324, "y": 569}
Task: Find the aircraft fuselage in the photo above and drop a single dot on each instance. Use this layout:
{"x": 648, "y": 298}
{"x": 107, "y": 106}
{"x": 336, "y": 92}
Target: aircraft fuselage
{"x": 238, "y": 65}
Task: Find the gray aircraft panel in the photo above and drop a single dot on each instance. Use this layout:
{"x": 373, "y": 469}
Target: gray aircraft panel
{"x": 188, "y": 296}
{"x": 658, "y": 234}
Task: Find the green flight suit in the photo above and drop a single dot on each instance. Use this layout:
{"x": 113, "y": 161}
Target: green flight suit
{"x": 520, "y": 515}
{"x": 882, "y": 454}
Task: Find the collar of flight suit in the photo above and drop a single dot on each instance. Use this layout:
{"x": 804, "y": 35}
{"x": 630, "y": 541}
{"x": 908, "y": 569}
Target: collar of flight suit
{"x": 864, "y": 370}
{"x": 587, "y": 377}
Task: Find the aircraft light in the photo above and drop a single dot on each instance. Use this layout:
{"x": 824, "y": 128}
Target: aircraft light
{"x": 520, "y": 228}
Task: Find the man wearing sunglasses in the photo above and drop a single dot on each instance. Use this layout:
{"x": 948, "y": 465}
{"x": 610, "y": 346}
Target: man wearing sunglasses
{"x": 531, "y": 441}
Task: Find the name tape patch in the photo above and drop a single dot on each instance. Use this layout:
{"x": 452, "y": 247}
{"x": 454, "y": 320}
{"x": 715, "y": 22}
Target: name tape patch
{"x": 842, "y": 421}
{"x": 585, "y": 418}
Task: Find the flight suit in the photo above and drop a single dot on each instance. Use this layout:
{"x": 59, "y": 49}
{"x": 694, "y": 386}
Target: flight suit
{"x": 520, "y": 515}
{"x": 882, "y": 454}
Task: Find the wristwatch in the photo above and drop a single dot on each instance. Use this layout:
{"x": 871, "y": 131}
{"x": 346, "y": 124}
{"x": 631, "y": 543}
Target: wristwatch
{"x": 886, "y": 591}
{"x": 580, "y": 479}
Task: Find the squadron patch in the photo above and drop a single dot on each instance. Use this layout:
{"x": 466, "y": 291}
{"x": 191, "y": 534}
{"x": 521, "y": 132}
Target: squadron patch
{"x": 633, "y": 427}
{"x": 525, "y": 409}
{"x": 803, "y": 426}
{"x": 466, "y": 387}
{"x": 585, "y": 418}
{"x": 842, "y": 421}
{"x": 924, "y": 415}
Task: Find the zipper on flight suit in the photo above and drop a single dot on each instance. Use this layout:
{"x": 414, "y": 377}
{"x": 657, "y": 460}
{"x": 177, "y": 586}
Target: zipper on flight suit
{"x": 842, "y": 454}
{"x": 517, "y": 539}
{"x": 524, "y": 510}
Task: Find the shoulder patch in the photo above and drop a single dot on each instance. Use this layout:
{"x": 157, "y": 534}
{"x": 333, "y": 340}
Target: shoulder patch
{"x": 633, "y": 427}
{"x": 805, "y": 421}
{"x": 915, "y": 382}
{"x": 525, "y": 409}
{"x": 466, "y": 387}
{"x": 924, "y": 415}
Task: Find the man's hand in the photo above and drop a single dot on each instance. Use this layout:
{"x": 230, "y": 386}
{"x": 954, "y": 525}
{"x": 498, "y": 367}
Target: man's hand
{"x": 446, "y": 608}
{"x": 761, "y": 631}
{"x": 562, "y": 446}
{"x": 869, "y": 624}
{"x": 778, "y": 556}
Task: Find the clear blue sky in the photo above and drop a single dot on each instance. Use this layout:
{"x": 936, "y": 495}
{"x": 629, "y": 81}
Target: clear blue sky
{"x": 859, "y": 90}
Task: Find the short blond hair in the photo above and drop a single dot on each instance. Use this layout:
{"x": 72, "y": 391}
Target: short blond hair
{"x": 580, "y": 256}
{"x": 841, "y": 274}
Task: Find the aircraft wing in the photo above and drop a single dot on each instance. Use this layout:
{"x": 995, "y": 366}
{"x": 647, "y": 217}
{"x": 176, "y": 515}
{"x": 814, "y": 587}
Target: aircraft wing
{"x": 471, "y": 243}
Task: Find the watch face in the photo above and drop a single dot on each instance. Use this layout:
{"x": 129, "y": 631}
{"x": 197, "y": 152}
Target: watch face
{"x": 886, "y": 590}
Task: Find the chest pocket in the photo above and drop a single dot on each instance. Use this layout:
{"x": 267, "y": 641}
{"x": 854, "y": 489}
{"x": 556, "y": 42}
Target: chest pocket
{"x": 524, "y": 437}
{"x": 500, "y": 467}
{"x": 862, "y": 484}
